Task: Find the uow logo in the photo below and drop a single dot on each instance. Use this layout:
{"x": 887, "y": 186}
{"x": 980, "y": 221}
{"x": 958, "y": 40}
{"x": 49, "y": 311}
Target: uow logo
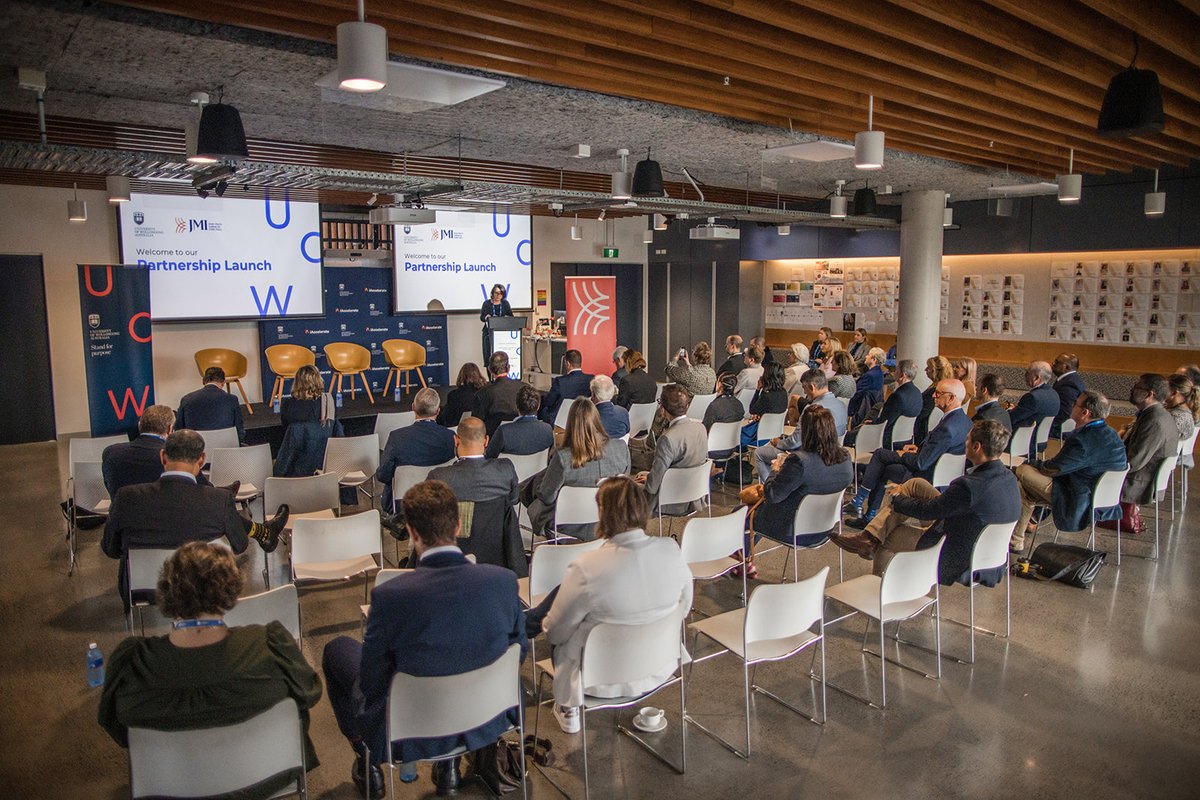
{"x": 264, "y": 304}
{"x": 129, "y": 399}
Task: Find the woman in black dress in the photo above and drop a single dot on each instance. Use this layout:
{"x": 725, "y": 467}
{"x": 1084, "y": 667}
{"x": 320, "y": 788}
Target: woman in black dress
{"x": 496, "y": 306}
{"x": 462, "y": 397}
{"x": 770, "y": 398}
{"x": 637, "y": 386}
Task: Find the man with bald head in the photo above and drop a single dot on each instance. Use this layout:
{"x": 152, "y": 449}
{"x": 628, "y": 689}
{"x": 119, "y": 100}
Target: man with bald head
{"x": 472, "y": 477}
{"x": 1039, "y": 402}
{"x": 913, "y": 461}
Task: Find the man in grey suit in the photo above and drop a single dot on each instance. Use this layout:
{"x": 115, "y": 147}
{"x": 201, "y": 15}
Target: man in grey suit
{"x": 1150, "y": 438}
{"x": 816, "y": 389}
{"x": 474, "y": 478}
{"x": 683, "y": 444}
{"x": 988, "y": 390}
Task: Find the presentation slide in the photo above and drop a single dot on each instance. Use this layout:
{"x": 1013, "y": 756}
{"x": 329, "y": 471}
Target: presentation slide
{"x": 217, "y": 258}
{"x": 458, "y": 259}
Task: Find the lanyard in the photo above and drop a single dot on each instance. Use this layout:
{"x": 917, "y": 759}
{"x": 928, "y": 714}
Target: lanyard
{"x": 179, "y": 624}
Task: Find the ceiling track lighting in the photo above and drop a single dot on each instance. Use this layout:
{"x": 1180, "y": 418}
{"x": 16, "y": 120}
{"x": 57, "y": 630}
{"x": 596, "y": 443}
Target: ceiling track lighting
{"x": 118, "y": 188}
{"x": 837, "y": 203}
{"x": 362, "y": 54}
{"x": 621, "y": 186}
{"x": 1070, "y": 186}
{"x": 868, "y": 144}
{"x": 221, "y": 135}
{"x": 1156, "y": 201}
{"x": 648, "y": 178}
{"x": 76, "y": 208}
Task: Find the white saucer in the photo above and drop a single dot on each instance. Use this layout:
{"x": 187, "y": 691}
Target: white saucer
{"x": 641, "y": 725}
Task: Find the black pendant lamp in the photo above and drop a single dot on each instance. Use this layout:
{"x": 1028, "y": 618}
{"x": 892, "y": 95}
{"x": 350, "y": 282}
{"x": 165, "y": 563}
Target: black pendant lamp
{"x": 864, "y": 202}
{"x": 221, "y": 134}
{"x": 647, "y": 179}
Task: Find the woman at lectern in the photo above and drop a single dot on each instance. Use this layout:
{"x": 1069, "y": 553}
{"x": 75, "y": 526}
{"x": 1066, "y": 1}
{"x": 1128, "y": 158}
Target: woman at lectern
{"x": 496, "y": 306}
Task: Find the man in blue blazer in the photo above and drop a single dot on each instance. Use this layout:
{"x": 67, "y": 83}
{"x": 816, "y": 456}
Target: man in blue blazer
{"x": 897, "y": 466}
{"x": 422, "y": 444}
{"x": 1066, "y": 481}
{"x": 138, "y": 461}
{"x": 988, "y": 391}
{"x": 919, "y": 514}
{"x": 868, "y": 389}
{"x": 614, "y": 418}
{"x": 210, "y": 407}
{"x": 1039, "y": 402}
{"x": 904, "y": 401}
{"x": 574, "y": 382}
{"x": 1068, "y": 386}
{"x": 448, "y": 616}
{"x": 526, "y": 434}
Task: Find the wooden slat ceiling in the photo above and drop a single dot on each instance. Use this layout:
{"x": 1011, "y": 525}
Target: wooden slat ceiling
{"x": 995, "y": 83}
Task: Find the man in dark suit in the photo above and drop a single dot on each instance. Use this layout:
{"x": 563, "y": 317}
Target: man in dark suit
{"x": 918, "y": 514}
{"x": 526, "y": 434}
{"x": 210, "y": 407}
{"x": 1068, "y": 386}
{"x": 761, "y": 343}
{"x": 174, "y": 509}
{"x": 422, "y": 444}
{"x": 498, "y": 401}
{"x": 1065, "y": 482}
{"x": 573, "y": 383}
{"x": 989, "y": 390}
{"x": 736, "y": 361}
{"x": 684, "y": 443}
{"x": 139, "y": 461}
{"x": 613, "y": 417}
{"x": 1036, "y": 404}
{"x": 896, "y": 466}
{"x": 447, "y": 617}
{"x": 904, "y": 401}
{"x": 618, "y": 359}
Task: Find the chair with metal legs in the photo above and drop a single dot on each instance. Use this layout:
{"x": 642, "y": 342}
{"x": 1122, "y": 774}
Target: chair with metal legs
{"x": 726, "y": 437}
{"x": 575, "y": 505}
{"x": 682, "y": 485}
{"x": 1106, "y": 494}
{"x": 707, "y": 542}
{"x": 816, "y": 514}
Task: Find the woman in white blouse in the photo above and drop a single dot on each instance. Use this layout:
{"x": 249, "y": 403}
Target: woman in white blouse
{"x": 631, "y": 579}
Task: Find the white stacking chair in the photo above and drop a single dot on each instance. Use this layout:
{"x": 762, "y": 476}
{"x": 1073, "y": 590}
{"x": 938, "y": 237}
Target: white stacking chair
{"x": 1187, "y": 460}
{"x": 564, "y": 411}
{"x": 744, "y": 397}
{"x": 1162, "y": 485}
{"x": 281, "y": 604}
{"x": 216, "y": 761}
{"x": 1067, "y": 426}
{"x": 547, "y": 569}
{"x": 990, "y": 552}
{"x": 528, "y": 465}
{"x": 445, "y": 705}
{"x": 902, "y": 430}
{"x": 219, "y": 437}
{"x": 616, "y": 654}
{"x": 250, "y": 465}
{"x": 776, "y": 624}
{"x": 89, "y": 449}
{"x": 1106, "y": 493}
{"x": 641, "y": 418}
{"x": 948, "y": 467}
{"x": 336, "y": 549}
{"x": 707, "y": 544}
{"x": 868, "y": 440}
{"x": 1043, "y": 433}
{"x": 386, "y": 422}
{"x": 817, "y": 513}
{"x": 699, "y": 405}
{"x": 354, "y": 459}
{"x": 770, "y": 426}
{"x": 935, "y": 416}
{"x": 406, "y": 477}
{"x": 1019, "y": 445}
{"x": 726, "y": 436}
{"x": 575, "y": 505}
{"x": 901, "y": 593}
{"x": 144, "y": 564}
{"x": 658, "y": 387}
{"x": 306, "y": 495}
{"x": 381, "y": 577}
{"x": 86, "y": 489}
{"x": 685, "y": 485}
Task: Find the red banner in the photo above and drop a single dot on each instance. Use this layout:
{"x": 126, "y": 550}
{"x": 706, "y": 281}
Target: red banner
{"x": 592, "y": 321}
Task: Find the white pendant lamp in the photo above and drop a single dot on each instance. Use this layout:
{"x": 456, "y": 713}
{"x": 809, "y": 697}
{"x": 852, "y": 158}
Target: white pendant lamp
{"x": 868, "y": 144}
{"x": 947, "y": 214}
{"x": 837, "y": 203}
{"x": 76, "y": 208}
{"x": 648, "y": 236}
{"x": 1070, "y": 186}
{"x": 118, "y": 189}
{"x": 783, "y": 230}
{"x": 362, "y": 50}
{"x": 576, "y": 231}
{"x": 622, "y": 182}
{"x": 1156, "y": 201}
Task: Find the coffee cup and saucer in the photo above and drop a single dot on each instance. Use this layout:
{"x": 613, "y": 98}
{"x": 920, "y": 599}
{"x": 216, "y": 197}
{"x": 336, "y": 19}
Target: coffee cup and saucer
{"x": 650, "y": 719}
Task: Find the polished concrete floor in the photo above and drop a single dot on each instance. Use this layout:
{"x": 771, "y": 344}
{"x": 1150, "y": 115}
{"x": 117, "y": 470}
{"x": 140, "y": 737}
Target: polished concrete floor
{"x": 1096, "y": 695}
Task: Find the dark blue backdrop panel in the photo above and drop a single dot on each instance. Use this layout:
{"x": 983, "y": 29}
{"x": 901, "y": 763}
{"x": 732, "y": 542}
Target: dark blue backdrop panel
{"x": 358, "y": 305}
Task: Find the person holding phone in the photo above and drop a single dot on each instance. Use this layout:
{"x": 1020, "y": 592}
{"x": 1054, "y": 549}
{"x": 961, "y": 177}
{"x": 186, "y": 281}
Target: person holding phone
{"x": 694, "y": 374}
{"x": 495, "y": 306}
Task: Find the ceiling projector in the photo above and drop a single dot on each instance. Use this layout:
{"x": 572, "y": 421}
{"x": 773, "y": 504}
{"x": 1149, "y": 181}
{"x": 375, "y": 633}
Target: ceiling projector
{"x": 711, "y": 232}
{"x": 398, "y": 215}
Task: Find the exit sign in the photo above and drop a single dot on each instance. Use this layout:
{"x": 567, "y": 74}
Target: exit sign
{"x": 610, "y": 252}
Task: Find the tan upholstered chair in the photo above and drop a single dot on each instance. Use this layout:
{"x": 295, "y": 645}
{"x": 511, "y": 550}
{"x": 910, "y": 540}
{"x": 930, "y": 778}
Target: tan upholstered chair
{"x": 285, "y": 360}
{"x": 403, "y": 356}
{"x": 234, "y": 364}
{"x": 347, "y": 358}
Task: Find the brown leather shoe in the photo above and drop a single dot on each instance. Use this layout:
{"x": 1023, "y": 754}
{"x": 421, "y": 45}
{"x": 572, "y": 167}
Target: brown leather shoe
{"x": 860, "y": 544}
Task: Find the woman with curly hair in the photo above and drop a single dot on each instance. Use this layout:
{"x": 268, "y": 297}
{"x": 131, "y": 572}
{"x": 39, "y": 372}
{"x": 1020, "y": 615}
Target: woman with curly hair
{"x": 696, "y": 375}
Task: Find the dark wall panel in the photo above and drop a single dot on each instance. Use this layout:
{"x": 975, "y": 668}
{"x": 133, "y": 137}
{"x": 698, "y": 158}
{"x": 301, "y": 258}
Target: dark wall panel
{"x": 851, "y": 243}
{"x": 23, "y": 328}
{"x": 979, "y": 234}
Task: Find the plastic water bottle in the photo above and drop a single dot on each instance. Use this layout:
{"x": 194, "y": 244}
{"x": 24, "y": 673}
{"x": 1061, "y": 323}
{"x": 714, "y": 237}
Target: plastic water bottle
{"x": 95, "y": 666}
{"x": 275, "y": 404}
{"x": 396, "y": 392}
{"x": 338, "y": 400}
{"x": 408, "y": 771}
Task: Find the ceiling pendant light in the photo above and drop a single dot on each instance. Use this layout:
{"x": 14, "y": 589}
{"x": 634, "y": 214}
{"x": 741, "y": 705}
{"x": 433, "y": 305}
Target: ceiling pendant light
{"x": 191, "y": 130}
{"x": 648, "y": 236}
{"x": 837, "y": 203}
{"x": 576, "y": 231}
{"x": 868, "y": 144}
{"x": 118, "y": 188}
{"x": 1133, "y": 104}
{"x": 660, "y": 222}
{"x": 1070, "y": 186}
{"x": 947, "y": 214}
{"x": 221, "y": 135}
{"x": 362, "y": 54}
{"x": 864, "y": 202}
{"x": 647, "y": 178}
{"x": 620, "y": 180}
{"x": 783, "y": 230}
{"x": 1156, "y": 201}
{"x": 76, "y": 208}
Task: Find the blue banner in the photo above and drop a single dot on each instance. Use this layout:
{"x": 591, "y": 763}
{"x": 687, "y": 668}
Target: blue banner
{"x": 358, "y": 304}
{"x": 114, "y": 302}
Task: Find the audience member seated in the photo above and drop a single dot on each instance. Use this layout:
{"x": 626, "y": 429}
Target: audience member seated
{"x": 637, "y": 386}
{"x": 770, "y": 398}
{"x": 447, "y": 617}
{"x": 308, "y": 402}
{"x": 915, "y": 515}
{"x": 1192, "y": 373}
{"x": 175, "y": 509}
{"x": 821, "y": 347}
{"x": 463, "y": 397}
{"x": 896, "y": 466}
{"x": 1149, "y": 439}
{"x": 139, "y": 461}
{"x": 799, "y": 366}
{"x": 526, "y": 434}
{"x": 587, "y": 456}
{"x": 204, "y": 674}
{"x": 1068, "y": 386}
{"x": 937, "y": 369}
{"x": 1036, "y": 404}
{"x": 632, "y": 579}
{"x": 683, "y": 443}
{"x": 859, "y": 348}
{"x": 868, "y": 389}
{"x": 904, "y": 401}
{"x": 817, "y": 391}
{"x": 1191, "y": 370}
{"x": 1065, "y": 482}
{"x": 422, "y": 444}
{"x": 843, "y": 383}
{"x": 697, "y": 378}
{"x": 964, "y": 368}
{"x": 735, "y": 361}
{"x": 308, "y": 423}
{"x": 725, "y": 407}
{"x": 1183, "y": 401}
{"x": 820, "y": 466}
{"x": 831, "y": 347}
{"x": 761, "y": 343}
{"x": 574, "y": 382}
{"x": 991, "y": 389}
{"x": 497, "y": 402}
{"x": 618, "y": 359}
{"x": 210, "y": 407}
{"x": 614, "y": 418}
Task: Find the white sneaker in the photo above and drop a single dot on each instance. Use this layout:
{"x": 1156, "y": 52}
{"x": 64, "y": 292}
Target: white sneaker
{"x": 568, "y": 718}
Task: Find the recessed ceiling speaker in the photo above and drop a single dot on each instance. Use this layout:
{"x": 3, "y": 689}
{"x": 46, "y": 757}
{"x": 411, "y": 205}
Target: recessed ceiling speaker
{"x": 1132, "y": 105}
{"x": 221, "y": 135}
{"x": 864, "y": 202}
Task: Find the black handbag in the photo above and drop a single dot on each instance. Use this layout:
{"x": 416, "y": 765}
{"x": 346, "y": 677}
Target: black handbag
{"x": 1072, "y": 565}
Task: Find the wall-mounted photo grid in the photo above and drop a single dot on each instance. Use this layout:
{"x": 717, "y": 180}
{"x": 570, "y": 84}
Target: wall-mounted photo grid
{"x": 1126, "y": 302}
{"x": 992, "y": 304}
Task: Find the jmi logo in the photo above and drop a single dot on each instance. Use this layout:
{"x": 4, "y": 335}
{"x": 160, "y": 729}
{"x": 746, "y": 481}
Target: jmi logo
{"x": 189, "y": 225}
{"x": 445, "y": 233}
